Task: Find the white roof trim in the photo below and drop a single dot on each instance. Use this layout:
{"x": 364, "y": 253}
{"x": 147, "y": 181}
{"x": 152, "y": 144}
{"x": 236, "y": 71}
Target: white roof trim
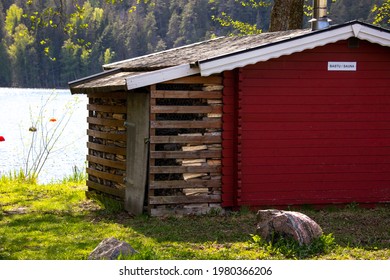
{"x": 289, "y": 46}
{"x": 374, "y": 35}
{"x": 159, "y": 76}
{"x": 312, "y": 40}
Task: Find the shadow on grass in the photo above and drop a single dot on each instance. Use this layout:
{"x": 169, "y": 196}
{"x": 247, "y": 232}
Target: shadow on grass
{"x": 214, "y": 227}
{"x": 194, "y": 229}
{"x": 367, "y": 229}
{"x": 357, "y": 227}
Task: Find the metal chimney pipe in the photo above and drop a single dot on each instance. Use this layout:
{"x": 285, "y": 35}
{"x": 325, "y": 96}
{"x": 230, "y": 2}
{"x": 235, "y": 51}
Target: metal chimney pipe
{"x": 320, "y": 15}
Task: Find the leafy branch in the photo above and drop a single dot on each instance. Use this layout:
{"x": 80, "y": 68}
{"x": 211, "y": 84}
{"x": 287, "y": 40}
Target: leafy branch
{"x": 382, "y": 13}
{"x": 46, "y": 133}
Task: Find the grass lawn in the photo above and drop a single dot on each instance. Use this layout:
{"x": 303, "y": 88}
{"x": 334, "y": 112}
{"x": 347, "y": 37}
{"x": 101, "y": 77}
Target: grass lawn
{"x": 57, "y": 222}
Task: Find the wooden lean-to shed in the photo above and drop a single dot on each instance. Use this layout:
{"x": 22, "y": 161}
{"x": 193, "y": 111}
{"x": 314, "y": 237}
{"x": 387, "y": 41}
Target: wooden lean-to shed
{"x": 284, "y": 118}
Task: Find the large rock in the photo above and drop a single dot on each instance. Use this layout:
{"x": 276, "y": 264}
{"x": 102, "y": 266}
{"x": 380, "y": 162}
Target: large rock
{"x": 273, "y": 224}
{"x": 110, "y": 249}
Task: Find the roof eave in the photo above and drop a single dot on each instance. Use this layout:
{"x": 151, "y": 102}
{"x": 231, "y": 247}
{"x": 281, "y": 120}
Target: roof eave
{"x": 163, "y": 75}
{"x": 293, "y": 45}
{"x": 230, "y": 61}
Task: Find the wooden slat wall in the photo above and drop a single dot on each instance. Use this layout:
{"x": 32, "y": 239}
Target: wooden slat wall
{"x": 185, "y": 146}
{"x": 107, "y": 143}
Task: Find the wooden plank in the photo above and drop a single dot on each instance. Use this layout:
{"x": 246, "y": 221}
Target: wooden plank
{"x": 184, "y": 169}
{"x": 297, "y": 74}
{"x": 106, "y": 122}
{"x": 197, "y": 191}
{"x": 316, "y": 197}
{"x": 315, "y": 151}
{"x": 318, "y": 108}
{"x": 316, "y": 169}
{"x": 311, "y": 141}
{"x": 205, "y": 139}
{"x": 347, "y": 187}
{"x": 313, "y": 178}
{"x": 158, "y": 200}
{"x": 305, "y": 160}
{"x": 196, "y": 80}
{"x": 106, "y": 135}
{"x": 105, "y": 175}
{"x": 303, "y": 187}
{"x": 110, "y": 95}
{"x": 315, "y": 117}
{"x": 107, "y": 108}
{"x": 187, "y": 94}
{"x": 211, "y": 123}
{"x": 313, "y": 126}
{"x": 99, "y": 187}
{"x": 185, "y": 155}
{"x": 106, "y": 162}
{"x": 214, "y": 162}
{"x": 189, "y": 176}
{"x": 328, "y": 100}
{"x": 187, "y": 109}
{"x": 312, "y": 91}
{"x": 107, "y": 149}
{"x": 137, "y": 151}
{"x": 319, "y": 134}
{"x": 192, "y": 162}
{"x": 152, "y": 147}
{"x": 194, "y": 148}
{"x": 286, "y": 83}
{"x": 181, "y": 184}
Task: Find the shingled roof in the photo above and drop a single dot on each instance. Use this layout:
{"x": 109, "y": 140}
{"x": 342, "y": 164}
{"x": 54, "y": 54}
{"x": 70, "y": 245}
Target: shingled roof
{"x": 190, "y": 54}
{"x": 220, "y": 54}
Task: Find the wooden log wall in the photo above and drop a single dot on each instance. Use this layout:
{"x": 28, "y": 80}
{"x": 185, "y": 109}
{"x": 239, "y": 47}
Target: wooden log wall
{"x": 107, "y": 144}
{"x": 185, "y": 146}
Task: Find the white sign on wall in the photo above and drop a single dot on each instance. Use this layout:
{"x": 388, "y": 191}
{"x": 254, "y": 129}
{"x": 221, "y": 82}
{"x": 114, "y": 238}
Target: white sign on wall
{"x": 342, "y": 66}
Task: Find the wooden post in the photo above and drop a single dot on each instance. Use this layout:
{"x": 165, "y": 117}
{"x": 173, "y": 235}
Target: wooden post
{"x": 137, "y": 151}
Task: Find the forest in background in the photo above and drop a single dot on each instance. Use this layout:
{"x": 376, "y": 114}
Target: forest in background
{"x": 47, "y": 43}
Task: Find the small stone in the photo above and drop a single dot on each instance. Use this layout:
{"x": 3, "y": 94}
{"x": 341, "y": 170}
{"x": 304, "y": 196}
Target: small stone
{"x": 110, "y": 249}
{"x": 276, "y": 223}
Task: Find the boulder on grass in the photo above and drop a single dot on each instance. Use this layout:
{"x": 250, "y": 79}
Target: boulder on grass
{"x": 273, "y": 224}
{"x": 110, "y": 249}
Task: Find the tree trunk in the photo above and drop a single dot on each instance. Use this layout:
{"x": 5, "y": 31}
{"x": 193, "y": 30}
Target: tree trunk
{"x": 286, "y": 15}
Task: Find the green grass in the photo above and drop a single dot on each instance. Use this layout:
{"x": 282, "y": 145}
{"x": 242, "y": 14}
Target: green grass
{"x": 56, "y": 221}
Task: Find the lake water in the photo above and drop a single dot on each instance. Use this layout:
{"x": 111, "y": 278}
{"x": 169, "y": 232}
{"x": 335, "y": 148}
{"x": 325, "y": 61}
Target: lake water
{"x": 46, "y": 111}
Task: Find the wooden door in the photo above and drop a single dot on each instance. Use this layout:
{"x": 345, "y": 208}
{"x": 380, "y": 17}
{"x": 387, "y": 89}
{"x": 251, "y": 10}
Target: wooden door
{"x": 137, "y": 151}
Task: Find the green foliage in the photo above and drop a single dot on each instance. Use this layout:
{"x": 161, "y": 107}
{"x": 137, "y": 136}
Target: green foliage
{"x": 78, "y": 176}
{"x": 241, "y": 28}
{"x": 254, "y": 4}
{"x": 291, "y": 249}
{"x": 19, "y": 177}
{"x": 13, "y": 18}
{"x": 49, "y": 43}
{"x": 56, "y": 222}
{"x": 382, "y": 13}
{"x": 108, "y": 56}
{"x": 252, "y": 19}
{"x": 107, "y": 204}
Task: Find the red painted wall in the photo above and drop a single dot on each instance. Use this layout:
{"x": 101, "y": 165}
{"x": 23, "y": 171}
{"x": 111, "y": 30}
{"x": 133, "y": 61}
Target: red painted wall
{"x": 229, "y": 149}
{"x": 296, "y": 133}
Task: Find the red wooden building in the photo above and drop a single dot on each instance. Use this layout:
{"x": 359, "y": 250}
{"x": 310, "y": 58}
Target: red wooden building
{"x": 287, "y": 118}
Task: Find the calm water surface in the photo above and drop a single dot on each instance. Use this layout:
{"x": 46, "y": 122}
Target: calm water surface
{"x": 20, "y": 109}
